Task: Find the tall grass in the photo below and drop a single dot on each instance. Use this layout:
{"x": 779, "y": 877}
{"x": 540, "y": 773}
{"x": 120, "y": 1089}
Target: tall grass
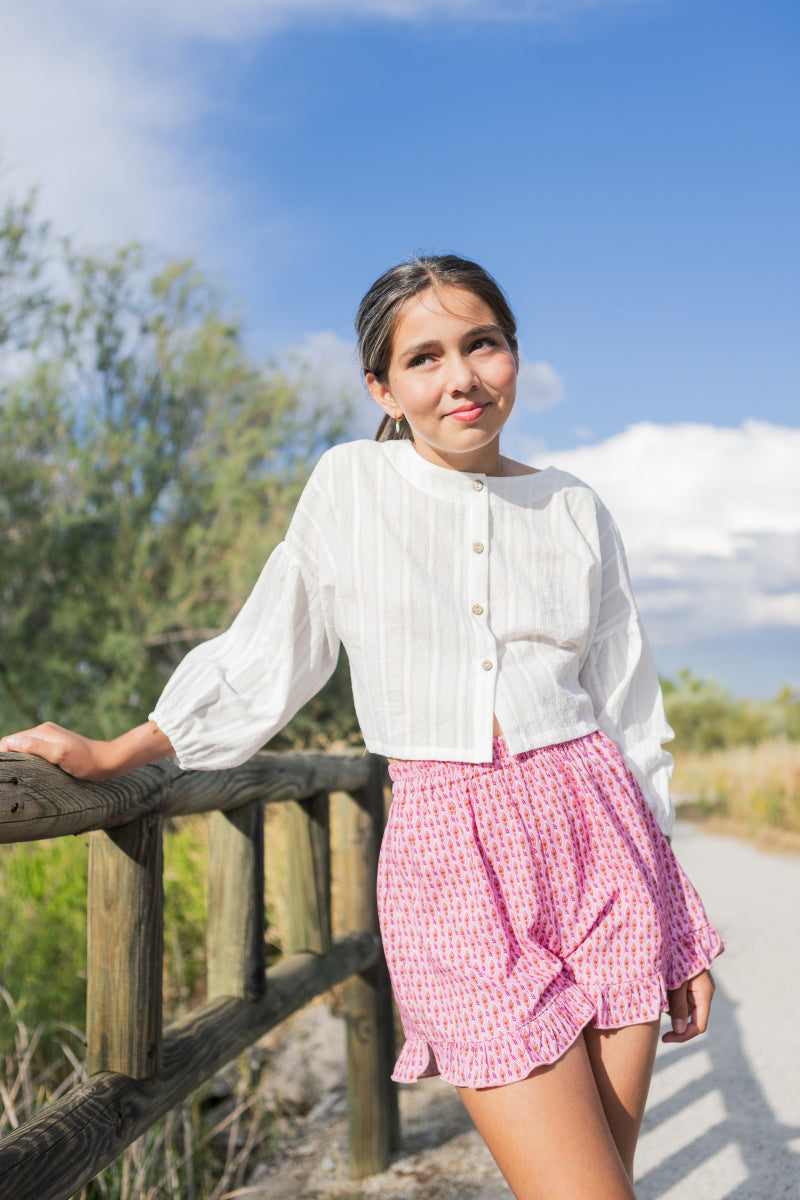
{"x": 191, "y": 1154}
{"x": 43, "y": 945}
{"x": 755, "y": 786}
{"x": 37, "y": 1066}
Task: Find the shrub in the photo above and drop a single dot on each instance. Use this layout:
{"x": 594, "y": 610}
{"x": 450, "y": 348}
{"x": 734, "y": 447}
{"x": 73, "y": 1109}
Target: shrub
{"x": 706, "y": 716}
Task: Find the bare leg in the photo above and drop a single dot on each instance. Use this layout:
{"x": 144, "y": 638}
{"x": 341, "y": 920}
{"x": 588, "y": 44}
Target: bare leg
{"x": 622, "y": 1063}
{"x": 549, "y": 1134}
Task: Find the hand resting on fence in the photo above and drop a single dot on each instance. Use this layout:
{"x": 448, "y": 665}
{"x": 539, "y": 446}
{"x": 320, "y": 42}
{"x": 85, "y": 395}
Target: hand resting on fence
{"x": 88, "y": 758}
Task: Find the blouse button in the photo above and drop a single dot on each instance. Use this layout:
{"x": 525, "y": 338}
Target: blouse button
{"x": 487, "y": 664}
{"x": 477, "y": 485}
{"x": 477, "y": 609}
{"x": 477, "y": 547}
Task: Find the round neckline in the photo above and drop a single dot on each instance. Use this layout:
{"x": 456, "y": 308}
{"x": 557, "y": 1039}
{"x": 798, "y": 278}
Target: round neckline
{"x": 444, "y": 481}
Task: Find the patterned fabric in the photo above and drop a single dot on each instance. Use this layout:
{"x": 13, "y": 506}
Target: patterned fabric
{"x": 523, "y": 899}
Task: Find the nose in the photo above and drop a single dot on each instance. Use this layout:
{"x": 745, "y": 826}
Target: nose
{"x": 461, "y": 378}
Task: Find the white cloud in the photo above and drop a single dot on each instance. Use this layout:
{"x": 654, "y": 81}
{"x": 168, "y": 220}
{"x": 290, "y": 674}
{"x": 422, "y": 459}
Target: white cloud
{"x": 234, "y": 20}
{"x": 326, "y": 367}
{"x": 97, "y": 98}
{"x": 710, "y": 518}
{"x": 98, "y": 130}
{"x": 538, "y": 386}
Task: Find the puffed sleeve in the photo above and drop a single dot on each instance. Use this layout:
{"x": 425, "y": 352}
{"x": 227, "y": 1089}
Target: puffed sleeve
{"x": 231, "y": 694}
{"x": 620, "y": 677}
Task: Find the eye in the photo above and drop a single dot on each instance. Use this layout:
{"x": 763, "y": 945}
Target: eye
{"x": 419, "y": 360}
{"x": 484, "y": 341}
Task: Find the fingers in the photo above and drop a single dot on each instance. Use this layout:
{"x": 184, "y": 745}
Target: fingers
{"x": 51, "y": 742}
{"x": 679, "y": 1013}
{"x": 689, "y": 1007}
{"x": 701, "y": 991}
{"x": 24, "y": 742}
{"x": 41, "y": 740}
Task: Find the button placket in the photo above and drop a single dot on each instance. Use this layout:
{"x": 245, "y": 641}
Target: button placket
{"x": 478, "y": 581}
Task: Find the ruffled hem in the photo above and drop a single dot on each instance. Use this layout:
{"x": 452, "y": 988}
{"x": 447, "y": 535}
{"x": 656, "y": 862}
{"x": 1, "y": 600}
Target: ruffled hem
{"x": 552, "y": 1031}
{"x": 634, "y": 1002}
{"x": 691, "y": 952}
{"x": 500, "y": 1060}
{"x": 637, "y": 1001}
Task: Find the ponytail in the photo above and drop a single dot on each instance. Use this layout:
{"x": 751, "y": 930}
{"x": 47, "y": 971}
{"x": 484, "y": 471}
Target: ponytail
{"x": 388, "y": 431}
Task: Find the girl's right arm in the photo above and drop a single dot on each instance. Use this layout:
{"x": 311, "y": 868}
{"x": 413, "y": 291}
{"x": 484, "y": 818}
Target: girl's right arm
{"x": 86, "y": 758}
{"x": 231, "y": 694}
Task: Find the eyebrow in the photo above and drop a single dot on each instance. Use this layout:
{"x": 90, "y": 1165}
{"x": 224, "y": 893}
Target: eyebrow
{"x": 423, "y": 347}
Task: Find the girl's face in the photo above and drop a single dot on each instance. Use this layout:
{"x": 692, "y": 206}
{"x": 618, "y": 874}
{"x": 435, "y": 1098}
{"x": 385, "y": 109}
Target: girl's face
{"x": 453, "y": 376}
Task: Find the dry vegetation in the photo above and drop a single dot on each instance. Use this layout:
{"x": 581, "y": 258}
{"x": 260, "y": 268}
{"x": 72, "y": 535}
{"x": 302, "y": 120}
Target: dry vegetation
{"x": 752, "y": 789}
{"x": 200, "y": 1151}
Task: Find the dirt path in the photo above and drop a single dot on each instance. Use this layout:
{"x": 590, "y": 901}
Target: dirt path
{"x": 723, "y": 1121}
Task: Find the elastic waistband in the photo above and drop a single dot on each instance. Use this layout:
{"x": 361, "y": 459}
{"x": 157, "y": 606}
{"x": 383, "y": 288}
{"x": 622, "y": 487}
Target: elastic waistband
{"x": 435, "y": 768}
{"x": 440, "y": 769}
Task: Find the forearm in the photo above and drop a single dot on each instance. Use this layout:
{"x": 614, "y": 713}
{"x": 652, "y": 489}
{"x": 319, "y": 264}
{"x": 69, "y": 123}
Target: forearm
{"x": 144, "y": 744}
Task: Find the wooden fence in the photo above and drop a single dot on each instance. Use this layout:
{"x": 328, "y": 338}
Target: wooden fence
{"x": 137, "y": 1071}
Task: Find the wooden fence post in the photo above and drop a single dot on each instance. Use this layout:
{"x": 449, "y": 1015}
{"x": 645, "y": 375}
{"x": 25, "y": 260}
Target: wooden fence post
{"x": 235, "y": 923}
{"x": 372, "y": 1097}
{"x": 125, "y": 949}
{"x": 308, "y": 847}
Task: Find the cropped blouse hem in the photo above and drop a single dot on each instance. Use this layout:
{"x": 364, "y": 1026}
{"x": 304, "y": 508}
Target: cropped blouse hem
{"x": 466, "y": 754}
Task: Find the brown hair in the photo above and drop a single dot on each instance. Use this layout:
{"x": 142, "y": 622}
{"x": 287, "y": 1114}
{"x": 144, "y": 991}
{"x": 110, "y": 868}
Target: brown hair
{"x": 380, "y": 310}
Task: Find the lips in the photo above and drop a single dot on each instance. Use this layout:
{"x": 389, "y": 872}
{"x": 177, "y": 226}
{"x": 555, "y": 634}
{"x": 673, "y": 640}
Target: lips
{"x": 467, "y": 414}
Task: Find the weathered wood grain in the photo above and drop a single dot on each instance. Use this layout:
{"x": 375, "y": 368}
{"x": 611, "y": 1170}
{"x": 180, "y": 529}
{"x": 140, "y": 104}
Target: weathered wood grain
{"x": 52, "y": 1156}
{"x": 371, "y": 1095}
{"x": 38, "y": 800}
{"x": 308, "y": 844}
{"x": 235, "y": 927}
{"x": 125, "y": 949}
{"x": 269, "y": 777}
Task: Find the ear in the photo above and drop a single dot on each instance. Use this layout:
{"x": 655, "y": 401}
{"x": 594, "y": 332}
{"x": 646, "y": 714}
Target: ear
{"x": 381, "y": 395}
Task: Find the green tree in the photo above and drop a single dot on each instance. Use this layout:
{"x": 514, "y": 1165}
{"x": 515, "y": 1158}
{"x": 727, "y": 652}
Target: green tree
{"x": 148, "y": 466}
{"x": 705, "y": 716}
{"x": 25, "y": 300}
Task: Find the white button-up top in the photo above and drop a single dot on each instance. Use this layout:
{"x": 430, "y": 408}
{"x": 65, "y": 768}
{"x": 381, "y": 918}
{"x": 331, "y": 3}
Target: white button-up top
{"x": 456, "y": 596}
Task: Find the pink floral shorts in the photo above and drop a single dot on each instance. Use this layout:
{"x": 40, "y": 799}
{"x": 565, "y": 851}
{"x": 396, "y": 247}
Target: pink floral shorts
{"x": 524, "y": 899}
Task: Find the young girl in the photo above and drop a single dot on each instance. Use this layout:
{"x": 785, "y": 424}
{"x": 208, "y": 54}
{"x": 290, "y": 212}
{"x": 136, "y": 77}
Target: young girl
{"x": 535, "y": 920}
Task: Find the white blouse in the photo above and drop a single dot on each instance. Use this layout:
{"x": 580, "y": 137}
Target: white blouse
{"x": 457, "y": 596}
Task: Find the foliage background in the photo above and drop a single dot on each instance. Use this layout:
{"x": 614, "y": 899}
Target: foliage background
{"x": 148, "y": 467}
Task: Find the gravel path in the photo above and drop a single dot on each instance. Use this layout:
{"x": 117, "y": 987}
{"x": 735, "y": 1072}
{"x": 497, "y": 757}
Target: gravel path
{"x": 723, "y": 1120}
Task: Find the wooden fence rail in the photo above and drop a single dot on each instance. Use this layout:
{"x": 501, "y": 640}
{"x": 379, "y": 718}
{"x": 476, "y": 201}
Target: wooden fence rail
{"x": 137, "y": 1070}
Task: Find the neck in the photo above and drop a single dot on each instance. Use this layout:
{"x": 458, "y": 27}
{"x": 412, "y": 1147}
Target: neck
{"x": 487, "y": 460}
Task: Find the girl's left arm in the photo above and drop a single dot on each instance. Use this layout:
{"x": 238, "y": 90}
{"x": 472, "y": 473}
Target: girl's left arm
{"x": 689, "y": 1007}
{"x": 619, "y": 675}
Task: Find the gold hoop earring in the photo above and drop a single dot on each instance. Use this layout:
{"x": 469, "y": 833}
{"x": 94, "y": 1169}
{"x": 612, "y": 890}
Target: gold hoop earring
{"x": 397, "y": 421}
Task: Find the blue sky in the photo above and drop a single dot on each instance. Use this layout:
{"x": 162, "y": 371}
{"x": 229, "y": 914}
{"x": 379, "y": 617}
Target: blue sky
{"x": 626, "y": 176}
{"x": 628, "y": 169}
